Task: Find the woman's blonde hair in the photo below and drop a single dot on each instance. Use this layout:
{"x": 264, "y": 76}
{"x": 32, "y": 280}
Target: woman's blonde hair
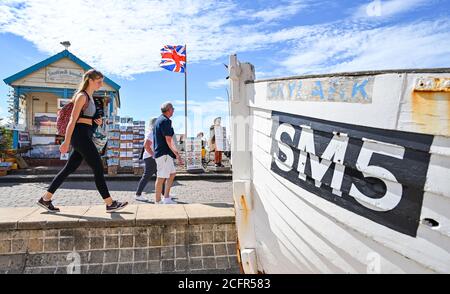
{"x": 90, "y": 74}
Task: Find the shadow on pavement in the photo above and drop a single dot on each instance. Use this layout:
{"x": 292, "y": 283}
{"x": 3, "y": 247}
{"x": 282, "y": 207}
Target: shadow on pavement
{"x": 220, "y": 205}
{"x": 113, "y": 186}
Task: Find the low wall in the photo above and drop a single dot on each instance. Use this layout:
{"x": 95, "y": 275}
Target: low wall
{"x": 192, "y": 238}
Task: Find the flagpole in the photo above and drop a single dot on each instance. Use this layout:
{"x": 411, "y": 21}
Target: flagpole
{"x": 185, "y": 109}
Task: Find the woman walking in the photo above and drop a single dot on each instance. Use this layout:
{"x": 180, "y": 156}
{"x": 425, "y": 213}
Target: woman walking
{"x": 78, "y": 135}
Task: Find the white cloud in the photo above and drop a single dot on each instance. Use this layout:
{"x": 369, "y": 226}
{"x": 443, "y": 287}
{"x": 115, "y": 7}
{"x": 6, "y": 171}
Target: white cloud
{"x": 287, "y": 9}
{"x": 124, "y": 37}
{"x": 412, "y": 45}
{"x": 279, "y": 72}
{"x": 218, "y": 84}
{"x": 383, "y": 9}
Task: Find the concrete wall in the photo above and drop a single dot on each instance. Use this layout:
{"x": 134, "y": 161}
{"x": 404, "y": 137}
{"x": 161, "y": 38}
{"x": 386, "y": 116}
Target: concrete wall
{"x": 141, "y": 239}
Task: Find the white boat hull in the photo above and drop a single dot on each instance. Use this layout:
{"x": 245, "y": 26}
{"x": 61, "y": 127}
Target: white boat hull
{"x": 342, "y": 174}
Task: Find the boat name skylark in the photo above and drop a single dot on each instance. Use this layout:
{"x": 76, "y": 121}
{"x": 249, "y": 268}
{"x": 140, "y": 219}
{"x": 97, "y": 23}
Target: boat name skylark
{"x": 339, "y": 89}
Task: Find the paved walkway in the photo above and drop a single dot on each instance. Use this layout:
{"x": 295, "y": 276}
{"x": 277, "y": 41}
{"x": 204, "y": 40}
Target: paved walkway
{"x": 85, "y": 193}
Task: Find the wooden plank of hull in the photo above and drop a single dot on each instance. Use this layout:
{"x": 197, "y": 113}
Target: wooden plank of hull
{"x": 434, "y": 207}
{"x": 392, "y": 127}
{"x": 396, "y": 104}
{"x": 437, "y": 178}
{"x": 425, "y": 110}
{"x": 355, "y": 237}
{"x": 353, "y": 146}
{"x": 382, "y": 112}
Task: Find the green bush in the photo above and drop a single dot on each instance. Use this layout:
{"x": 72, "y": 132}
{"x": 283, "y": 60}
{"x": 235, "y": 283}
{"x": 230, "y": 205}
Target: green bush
{"x": 6, "y": 138}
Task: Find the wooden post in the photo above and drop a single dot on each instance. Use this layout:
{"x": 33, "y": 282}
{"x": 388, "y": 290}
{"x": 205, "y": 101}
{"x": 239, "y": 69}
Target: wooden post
{"x": 241, "y": 161}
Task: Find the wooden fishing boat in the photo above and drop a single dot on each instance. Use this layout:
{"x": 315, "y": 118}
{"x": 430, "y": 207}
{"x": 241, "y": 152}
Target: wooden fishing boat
{"x": 342, "y": 173}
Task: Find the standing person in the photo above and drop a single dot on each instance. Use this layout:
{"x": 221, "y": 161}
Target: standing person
{"x": 165, "y": 152}
{"x": 200, "y": 136}
{"x": 150, "y": 163}
{"x": 79, "y": 133}
{"x": 213, "y": 144}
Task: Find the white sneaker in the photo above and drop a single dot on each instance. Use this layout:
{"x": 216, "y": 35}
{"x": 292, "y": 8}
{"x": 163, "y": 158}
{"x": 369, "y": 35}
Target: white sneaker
{"x": 140, "y": 198}
{"x": 167, "y": 201}
{"x": 171, "y": 195}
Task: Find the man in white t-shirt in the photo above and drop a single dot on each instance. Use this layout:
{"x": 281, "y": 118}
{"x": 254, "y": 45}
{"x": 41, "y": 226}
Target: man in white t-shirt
{"x": 150, "y": 163}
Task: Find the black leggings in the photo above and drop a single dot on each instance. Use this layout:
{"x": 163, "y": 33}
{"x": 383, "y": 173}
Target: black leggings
{"x": 82, "y": 148}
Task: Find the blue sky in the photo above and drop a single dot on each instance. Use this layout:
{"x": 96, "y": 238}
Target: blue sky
{"x": 281, "y": 38}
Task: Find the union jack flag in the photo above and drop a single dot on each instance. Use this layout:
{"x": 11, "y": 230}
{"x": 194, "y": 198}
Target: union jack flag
{"x": 173, "y": 58}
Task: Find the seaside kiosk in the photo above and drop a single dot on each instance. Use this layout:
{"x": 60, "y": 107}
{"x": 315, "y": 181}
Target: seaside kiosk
{"x": 40, "y": 91}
